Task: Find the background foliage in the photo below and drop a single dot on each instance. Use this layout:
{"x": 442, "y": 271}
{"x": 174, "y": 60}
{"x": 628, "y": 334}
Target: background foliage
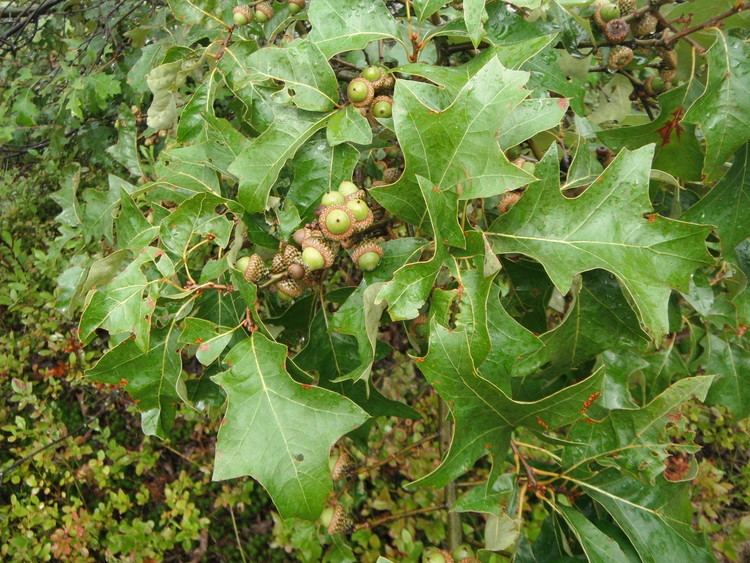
{"x": 147, "y": 146}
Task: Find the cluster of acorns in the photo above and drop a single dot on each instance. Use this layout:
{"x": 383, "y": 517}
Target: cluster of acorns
{"x": 617, "y": 22}
{"x": 261, "y": 12}
{"x": 371, "y": 92}
{"x": 342, "y": 214}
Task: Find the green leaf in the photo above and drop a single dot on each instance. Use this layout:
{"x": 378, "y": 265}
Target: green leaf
{"x": 484, "y": 416}
{"x": 163, "y": 81}
{"x": 722, "y": 110}
{"x": 633, "y": 439}
{"x": 277, "y": 431}
{"x": 348, "y": 125}
{"x": 305, "y": 70}
{"x": 473, "y": 13}
{"x": 442, "y": 207}
{"x": 195, "y": 218}
{"x": 259, "y": 164}
{"x": 425, "y": 8}
{"x": 150, "y": 376}
{"x": 133, "y": 230}
{"x": 599, "y": 319}
{"x": 349, "y": 25}
{"x": 605, "y": 228}
{"x": 211, "y": 339}
{"x": 123, "y": 306}
{"x": 464, "y": 132}
{"x": 656, "y": 519}
{"x": 530, "y": 118}
{"x": 727, "y": 206}
{"x": 677, "y": 149}
{"x": 598, "y": 546}
{"x": 410, "y": 287}
{"x": 359, "y": 317}
{"x": 318, "y": 168}
{"x": 731, "y": 364}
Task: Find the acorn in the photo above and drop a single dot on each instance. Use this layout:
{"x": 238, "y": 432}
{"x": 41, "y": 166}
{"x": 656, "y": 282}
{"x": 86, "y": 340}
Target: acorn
{"x": 321, "y": 247}
{"x": 295, "y": 5}
{"x": 390, "y": 175}
{"x": 360, "y": 92}
{"x": 332, "y": 198}
{"x": 242, "y": 15}
{"x": 604, "y": 13}
{"x": 252, "y": 268}
{"x": 373, "y": 73}
{"x": 668, "y": 58}
{"x": 360, "y": 210}
{"x": 304, "y": 233}
{"x": 297, "y": 270}
{"x": 626, "y": 7}
{"x": 367, "y": 255}
{"x": 348, "y": 188}
{"x": 343, "y": 466}
{"x": 382, "y": 106}
{"x": 263, "y": 12}
{"x": 668, "y": 76}
{"x": 434, "y": 555}
{"x": 645, "y": 25}
{"x": 654, "y": 85}
{"x": 289, "y": 287}
{"x": 617, "y": 30}
{"x": 336, "y": 222}
{"x": 385, "y": 83}
{"x": 339, "y": 522}
{"x": 620, "y": 56}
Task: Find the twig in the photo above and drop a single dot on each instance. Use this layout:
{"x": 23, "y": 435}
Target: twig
{"x": 237, "y": 535}
{"x": 739, "y": 7}
{"x": 398, "y": 516}
{"x": 454, "y": 518}
{"x": 530, "y": 471}
{"x": 693, "y": 43}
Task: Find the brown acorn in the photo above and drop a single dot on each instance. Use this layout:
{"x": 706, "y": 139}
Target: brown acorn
{"x": 626, "y": 6}
{"x": 336, "y": 222}
{"x": 321, "y": 246}
{"x": 278, "y": 263}
{"x": 390, "y": 175}
{"x": 255, "y": 269}
{"x": 645, "y": 25}
{"x": 619, "y": 57}
{"x": 668, "y": 58}
{"x": 385, "y": 83}
{"x": 668, "y": 75}
{"x": 340, "y": 522}
{"x": 343, "y": 467}
{"x": 289, "y": 287}
{"x": 296, "y": 271}
{"x": 617, "y": 30}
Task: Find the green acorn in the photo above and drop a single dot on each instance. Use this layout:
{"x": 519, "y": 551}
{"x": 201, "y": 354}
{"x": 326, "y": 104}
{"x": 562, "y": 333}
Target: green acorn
{"x": 263, "y": 12}
{"x": 332, "y": 198}
{"x": 312, "y": 250}
{"x": 373, "y": 73}
{"x": 242, "y": 15}
{"x": 654, "y": 85}
{"x": 620, "y": 56}
{"x": 367, "y": 255}
{"x": 360, "y": 92}
{"x": 252, "y": 267}
{"x": 295, "y": 5}
{"x": 336, "y": 222}
{"x": 382, "y": 106}
{"x": 609, "y": 12}
{"x": 435, "y": 555}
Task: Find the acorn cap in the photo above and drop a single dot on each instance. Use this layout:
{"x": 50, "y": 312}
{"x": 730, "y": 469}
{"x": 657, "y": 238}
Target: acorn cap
{"x": 324, "y": 229}
{"x": 668, "y": 58}
{"x": 645, "y": 25}
{"x": 365, "y": 247}
{"x": 379, "y": 99}
{"x": 626, "y": 6}
{"x": 390, "y": 175}
{"x": 619, "y": 57}
{"x": 343, "y": 466}
{"x": 617, "y": 30}
{"x": 370, "y": 92}
{"x": 385, "y": 83}
{"x": 289, "y": 287}
{"x": 321, "y": 246}
{"x": 266, "y": 9}
{"x": 242, "y": 14}
{"x": 340, "y": 522}
{"x": 365, "y": 223}
{"x": 291, "y": 254}
{"x": 278, "y": 263}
